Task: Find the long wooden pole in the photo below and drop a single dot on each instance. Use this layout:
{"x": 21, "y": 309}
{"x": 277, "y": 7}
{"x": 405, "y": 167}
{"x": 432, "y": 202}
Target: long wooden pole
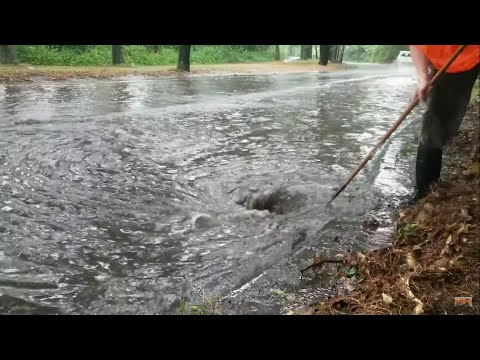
{"x": 402, "y": 117}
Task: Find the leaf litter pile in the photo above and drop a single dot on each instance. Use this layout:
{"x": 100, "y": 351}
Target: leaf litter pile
{"x": 435, "y": 255}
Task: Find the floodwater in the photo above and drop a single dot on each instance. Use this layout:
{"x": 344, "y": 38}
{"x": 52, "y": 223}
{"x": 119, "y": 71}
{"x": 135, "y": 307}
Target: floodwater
{"x": 120, "y": 197}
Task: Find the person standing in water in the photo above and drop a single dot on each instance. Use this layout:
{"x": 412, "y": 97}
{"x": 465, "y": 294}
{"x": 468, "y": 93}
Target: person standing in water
{"x": 447, "y": 104}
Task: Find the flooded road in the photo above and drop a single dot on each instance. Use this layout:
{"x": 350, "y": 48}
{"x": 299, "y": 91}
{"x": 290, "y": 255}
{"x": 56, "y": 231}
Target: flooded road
{"x": 120, "y": 197}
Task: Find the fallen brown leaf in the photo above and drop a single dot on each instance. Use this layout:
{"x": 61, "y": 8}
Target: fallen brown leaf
{"x": 449, "y": 239}
{"x": 387, "y": 299}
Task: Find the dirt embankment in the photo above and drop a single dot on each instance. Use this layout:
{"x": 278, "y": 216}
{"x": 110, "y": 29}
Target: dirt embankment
{"x": 433, "y": 264}
{"x": 26, "y": 73}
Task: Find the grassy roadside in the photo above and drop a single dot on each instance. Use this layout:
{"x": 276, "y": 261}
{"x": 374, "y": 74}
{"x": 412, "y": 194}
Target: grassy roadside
{"x": 435, "y": 252}
{"x": 26, "y": 73}
{"x": 140, "y": 55}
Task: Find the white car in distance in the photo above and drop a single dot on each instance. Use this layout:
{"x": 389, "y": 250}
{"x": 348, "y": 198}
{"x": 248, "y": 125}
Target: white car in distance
{"x": 404, "y": 58}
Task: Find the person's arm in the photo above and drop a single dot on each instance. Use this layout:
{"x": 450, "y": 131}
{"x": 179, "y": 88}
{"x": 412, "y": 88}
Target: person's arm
{"x": 421, "y": 66}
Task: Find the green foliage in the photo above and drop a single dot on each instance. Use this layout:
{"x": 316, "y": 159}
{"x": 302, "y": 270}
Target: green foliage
{"x": 474, "y": 168}
{"x": 77, "y": 48}
{"x": 355, "y": 53}
{"x": 251, "y": 47}
{"x": 144, "y": 55}
{"x": 182, "y": 305}
{"x": 352, "y": 272}
{"x": 45, "y": 55}
{"x": 230, "y": 54}
{"x": 384, "y": 53}
{"x": 475, "y": 93}
{"x": 207, "y": 307}
{"x": 101, "y": 55}
{"x": 198, "y": 309}
{"x": 373, "y": 53}
{"x": 406, "y": 231}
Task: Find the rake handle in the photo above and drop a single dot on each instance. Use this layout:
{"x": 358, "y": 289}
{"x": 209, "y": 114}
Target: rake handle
{"x": 397, "y": 123}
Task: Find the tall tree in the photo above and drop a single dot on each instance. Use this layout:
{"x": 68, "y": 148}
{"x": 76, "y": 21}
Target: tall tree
{"x": 324, "y": 54}
{"x": 117, "y": 54}
{"x": 335, "y": 53}
{"x": 331, "y": 56}
{"x": 183, "y": 63}
{"x": 310, "y": 51}
{"x": 305, "y": 52}
{"x": 277, "y": 52}
{"x": 341, "y": 54}
{"x": 8, "y": 55}
{"x": 316, "y": 51}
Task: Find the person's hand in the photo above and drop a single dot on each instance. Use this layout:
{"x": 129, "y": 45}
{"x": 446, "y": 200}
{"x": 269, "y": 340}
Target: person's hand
{"x": 423, "y": 90}
{"x": 422, "y": 69}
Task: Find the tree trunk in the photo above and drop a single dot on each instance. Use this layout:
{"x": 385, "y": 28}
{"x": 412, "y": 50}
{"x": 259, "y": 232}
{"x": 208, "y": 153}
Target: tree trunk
{"x": 333, "y": 51}
{"x": 309, "y": 51}
{"x": 341, "y": 54}
{"x": 305, "y": 52}
{"x": 277, "y": 52}
{"x": 117, "y": 54}
{"x": 155, "y": 48}
{"x": 8, "y": 55}
{"x": 324, "y": 54}
{"x": 316, "y": 52}
{"x": 184, "y": 58}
